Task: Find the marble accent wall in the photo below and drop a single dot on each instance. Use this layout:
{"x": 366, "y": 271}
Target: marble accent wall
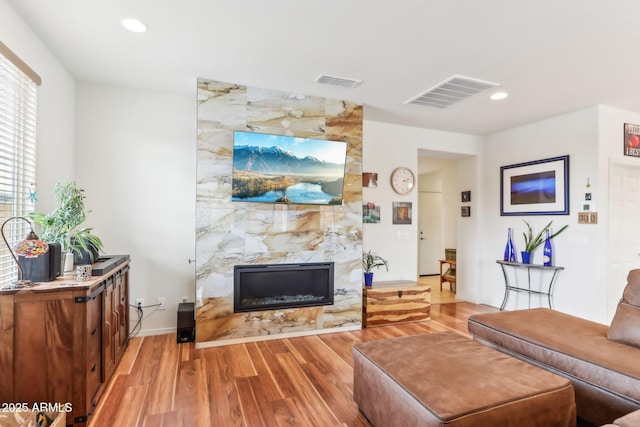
{"x": 231, "y": 233}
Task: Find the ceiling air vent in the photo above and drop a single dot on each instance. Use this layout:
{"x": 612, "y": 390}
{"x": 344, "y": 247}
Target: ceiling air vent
{"x": 453, "y": 90}
{"x": 338, "y": 81}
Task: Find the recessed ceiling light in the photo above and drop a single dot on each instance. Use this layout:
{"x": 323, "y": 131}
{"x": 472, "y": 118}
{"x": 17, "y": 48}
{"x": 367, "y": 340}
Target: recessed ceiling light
{"x": 134, "y": 25}
{"x": 499, "y": 95}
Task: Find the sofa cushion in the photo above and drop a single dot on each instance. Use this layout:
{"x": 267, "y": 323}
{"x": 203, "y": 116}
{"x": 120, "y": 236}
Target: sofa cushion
{"x": 625, "y": 326}
{"x": 566, "y": 343}
{"x": 629, "y": 420}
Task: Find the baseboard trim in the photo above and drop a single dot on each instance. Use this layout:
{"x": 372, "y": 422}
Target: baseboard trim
{"x": 152, "y": 332}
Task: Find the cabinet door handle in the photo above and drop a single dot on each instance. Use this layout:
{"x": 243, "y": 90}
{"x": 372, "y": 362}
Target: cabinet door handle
{"x": 94, "y": 331}
{"x": 94, "y": 368}
{"x": 122, "y": 317}
{"x": 116, "y": 315}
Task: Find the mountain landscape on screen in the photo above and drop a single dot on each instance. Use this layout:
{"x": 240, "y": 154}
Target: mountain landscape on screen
{"x": 285, "y": 169}
{"x": 270, "y": 160}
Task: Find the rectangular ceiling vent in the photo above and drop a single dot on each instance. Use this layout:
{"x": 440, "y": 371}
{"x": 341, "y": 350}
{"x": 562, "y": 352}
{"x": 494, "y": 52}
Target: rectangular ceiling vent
{"x": 451, "y": 91}
{"x": 338, "y": 81}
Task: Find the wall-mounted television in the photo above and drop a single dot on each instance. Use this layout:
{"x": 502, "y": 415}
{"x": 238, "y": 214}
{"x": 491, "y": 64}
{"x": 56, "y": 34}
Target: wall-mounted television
{"x": 287, "y": 169}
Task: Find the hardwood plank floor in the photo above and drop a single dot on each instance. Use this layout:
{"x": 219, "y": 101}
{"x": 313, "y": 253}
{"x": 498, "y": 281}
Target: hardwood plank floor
{"x": 305, "y": 381}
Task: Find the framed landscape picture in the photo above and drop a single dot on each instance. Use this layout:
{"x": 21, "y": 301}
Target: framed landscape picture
{"x": 540, "y": 187}
{"x": 371, "y": 212}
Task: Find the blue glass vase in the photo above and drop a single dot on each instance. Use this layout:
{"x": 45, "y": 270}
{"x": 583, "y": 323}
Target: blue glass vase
{"x": 510, "y": 250}
{"x": 547, "y": 251}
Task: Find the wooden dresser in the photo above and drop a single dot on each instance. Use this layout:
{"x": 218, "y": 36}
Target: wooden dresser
{"x": 60, "y": 341}
{"x": 395, "y": 302}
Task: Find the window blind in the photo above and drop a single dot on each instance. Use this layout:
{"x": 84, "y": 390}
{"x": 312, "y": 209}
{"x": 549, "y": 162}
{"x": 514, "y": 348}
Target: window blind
{"x": 18, "y": 93}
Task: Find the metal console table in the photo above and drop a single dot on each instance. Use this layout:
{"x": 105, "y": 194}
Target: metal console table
{"x": 514, "y": 286}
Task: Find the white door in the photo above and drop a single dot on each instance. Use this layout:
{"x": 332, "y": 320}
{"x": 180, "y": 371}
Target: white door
{"x": 624, "y": 230}
{"x": 430, "y": 232}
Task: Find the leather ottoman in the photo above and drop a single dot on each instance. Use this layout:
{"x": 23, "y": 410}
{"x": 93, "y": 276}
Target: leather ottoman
{"x": 445, "y": 379}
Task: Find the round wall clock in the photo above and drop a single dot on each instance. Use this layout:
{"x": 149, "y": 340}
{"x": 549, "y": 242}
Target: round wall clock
{"x": 402, "y": 180}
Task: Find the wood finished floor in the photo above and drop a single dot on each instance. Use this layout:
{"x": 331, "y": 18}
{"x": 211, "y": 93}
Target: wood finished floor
{"x": 439, "y": 296}
{"x": 305, "y": 381}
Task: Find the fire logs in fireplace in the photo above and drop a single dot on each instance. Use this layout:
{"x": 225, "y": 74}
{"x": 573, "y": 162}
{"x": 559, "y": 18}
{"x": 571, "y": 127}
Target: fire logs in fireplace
{"x": 260, "y": 287}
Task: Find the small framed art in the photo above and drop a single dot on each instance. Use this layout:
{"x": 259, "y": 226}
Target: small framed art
{"x": 402, "y": 212}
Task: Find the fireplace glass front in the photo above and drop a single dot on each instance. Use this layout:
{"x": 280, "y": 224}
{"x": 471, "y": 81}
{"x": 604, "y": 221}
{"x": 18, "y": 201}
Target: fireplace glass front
{"x": 274, "y": 286}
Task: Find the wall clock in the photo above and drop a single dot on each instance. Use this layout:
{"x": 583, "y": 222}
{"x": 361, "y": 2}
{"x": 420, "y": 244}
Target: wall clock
{"x": 402, "y": 180}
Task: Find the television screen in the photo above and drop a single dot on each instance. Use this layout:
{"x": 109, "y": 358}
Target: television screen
{"x": 287, "y": 169}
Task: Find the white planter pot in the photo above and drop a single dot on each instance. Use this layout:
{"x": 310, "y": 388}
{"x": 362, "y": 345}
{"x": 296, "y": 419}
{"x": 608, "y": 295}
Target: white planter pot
{"x": 68, "y": 262}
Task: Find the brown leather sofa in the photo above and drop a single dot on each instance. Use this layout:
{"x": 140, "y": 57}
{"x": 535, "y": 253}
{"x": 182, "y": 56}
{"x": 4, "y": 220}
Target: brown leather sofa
{"x": 629, "y": 420}
{"x": 602, "y": 362}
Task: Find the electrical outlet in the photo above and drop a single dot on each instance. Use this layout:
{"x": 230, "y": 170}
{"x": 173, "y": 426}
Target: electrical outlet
{"x": 139, "y": 302}
{"x": 162, "y": 302}
{"x": 184, "y": 299}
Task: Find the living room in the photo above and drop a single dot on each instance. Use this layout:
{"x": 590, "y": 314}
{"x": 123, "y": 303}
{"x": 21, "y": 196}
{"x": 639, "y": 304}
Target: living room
{"x": 134, "y": 148}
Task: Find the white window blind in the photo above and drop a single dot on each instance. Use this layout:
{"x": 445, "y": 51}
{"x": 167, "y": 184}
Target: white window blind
{"x": 17, "y": 155}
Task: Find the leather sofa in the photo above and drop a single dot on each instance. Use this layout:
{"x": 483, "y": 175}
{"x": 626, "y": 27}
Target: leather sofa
{"x": 602, "y": 362}
{"x": 629, "y": 420}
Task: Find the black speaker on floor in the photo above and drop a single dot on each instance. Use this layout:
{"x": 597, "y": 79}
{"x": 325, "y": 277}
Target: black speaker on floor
{"x": 186, "y": 322}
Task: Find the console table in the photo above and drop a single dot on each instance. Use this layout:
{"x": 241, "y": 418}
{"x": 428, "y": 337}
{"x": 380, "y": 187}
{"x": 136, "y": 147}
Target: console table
{"x": 509, "y": 286}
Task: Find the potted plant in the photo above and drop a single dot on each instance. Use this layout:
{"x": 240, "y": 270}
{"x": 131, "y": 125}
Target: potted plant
{"x": 62, "y": 225}
{"x": 531, "y": 242}
{"x": 369, "y": 261}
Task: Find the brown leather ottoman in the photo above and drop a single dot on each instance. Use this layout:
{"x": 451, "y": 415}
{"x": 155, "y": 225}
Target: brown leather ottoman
{"x": 445, "y": 379}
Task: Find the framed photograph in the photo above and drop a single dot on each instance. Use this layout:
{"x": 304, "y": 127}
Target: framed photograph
{"x": 401, "y": 212}
{"x": 540, "y": 187}
{"x": 370, "y": 179}
{"x": 465, "y": 210}
{"x": 466, "y": 196}
{"x": 631, "y": 140}
{"x": 371, "y": 212}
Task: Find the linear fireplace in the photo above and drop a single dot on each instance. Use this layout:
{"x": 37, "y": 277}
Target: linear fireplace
{"x": 273, "y": 286}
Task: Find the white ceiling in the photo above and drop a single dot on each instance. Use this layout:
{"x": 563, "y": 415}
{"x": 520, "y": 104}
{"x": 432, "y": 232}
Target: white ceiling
{"x": 552, "y": 56}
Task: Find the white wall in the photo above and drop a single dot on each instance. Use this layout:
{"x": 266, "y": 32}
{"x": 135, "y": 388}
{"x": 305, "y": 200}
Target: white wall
{"x": 387, "y": 146}
{"x": 611, "y": 122}
{"x": 578, "y": 249}
{"x": 135, "y": 157}
{"x": 56, "y": 105}
{"x": 469, "y": 267}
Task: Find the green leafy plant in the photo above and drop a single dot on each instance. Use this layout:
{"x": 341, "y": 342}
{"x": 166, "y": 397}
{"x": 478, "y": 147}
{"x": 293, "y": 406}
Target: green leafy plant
{"x": 61, "y": 225}
{"x": 371, "y": 260}
{"x": 532, "y": 242}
